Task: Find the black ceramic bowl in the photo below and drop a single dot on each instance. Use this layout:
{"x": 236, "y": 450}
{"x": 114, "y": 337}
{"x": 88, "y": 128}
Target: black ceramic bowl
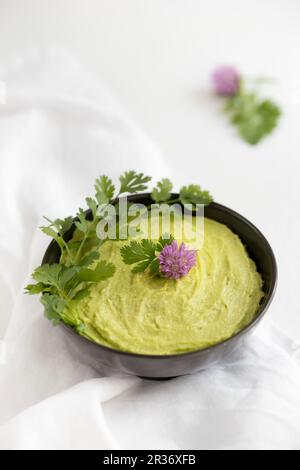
{"x": 112, "y": 361}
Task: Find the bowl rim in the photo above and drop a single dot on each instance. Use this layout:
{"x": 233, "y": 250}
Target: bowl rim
{"x": 260, "y": 314}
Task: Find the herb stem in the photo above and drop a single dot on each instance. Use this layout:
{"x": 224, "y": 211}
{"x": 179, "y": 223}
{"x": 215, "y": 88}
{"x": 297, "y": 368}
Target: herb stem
{"x": 77, "y": 257}
{"x": 69, "y": 252}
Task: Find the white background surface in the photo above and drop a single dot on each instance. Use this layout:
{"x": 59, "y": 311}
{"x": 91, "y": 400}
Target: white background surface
{"x": 57, "y": 127}
{"x": 156, "y": 55}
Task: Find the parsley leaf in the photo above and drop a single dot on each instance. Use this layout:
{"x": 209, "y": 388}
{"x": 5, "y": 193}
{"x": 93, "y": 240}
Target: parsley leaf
{"x": 102, "y": 271}
{"x": 51, "y": 232}
{"x": 165, "y": 239}
{"x": 89, "y": 259}
{"x": 61, "y": 226}
{"x": 253, "y": 117}
{"x": 61, "y": 285}
{"x": 138, "y": 251}
{"x": 55, "y": 275}
{"x": 92, "y": 205}
{"x": 144, "y": 253}
{"x": 162, "y": 191}
{"x": 67, "y": 274}
{"x": 34, "y": 289}
{"x": 105, "y": 189}
{"x": 155, "y": 267}
{"x": 142, "y": 266}
{"x": 48, "y": 274}
{"x": 193, "y": 194}
{"x": 141, "y": 253}
{"x": 70, "y": 280}
{"x": 81, "y": 294}
{"x": 261, "y": 123}
{"x": 54, "y": 306}
{"x": 82, "y": 224}
{"x": 133, "y": 182}
{"x": 57, "y": 229}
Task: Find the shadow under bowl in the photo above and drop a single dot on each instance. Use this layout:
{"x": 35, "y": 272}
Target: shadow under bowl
{"x": 112, "y": 361}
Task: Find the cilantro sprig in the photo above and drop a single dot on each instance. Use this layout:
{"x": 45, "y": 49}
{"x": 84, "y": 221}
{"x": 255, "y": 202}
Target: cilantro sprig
{"x": 69, "y": 280}
{"x": 144, "y": 254}
{"x": 254, "y": 116}
{"x": 132, "y": 182}
{"x": 191, "y": 194}
{"x": 61, "y": 285}
{"x": 162, "y": 191}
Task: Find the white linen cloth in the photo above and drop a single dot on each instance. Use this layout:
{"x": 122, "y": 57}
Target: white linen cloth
{"x": 59, "y": 129}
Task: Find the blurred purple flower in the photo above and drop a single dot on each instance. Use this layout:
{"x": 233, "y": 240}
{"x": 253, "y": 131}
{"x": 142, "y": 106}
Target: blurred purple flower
{"x": 226, "y": 80}
{"x": 176, "y": 261}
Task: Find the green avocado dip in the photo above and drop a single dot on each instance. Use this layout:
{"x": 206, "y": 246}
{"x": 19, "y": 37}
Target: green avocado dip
{"x": 145, "y": 314}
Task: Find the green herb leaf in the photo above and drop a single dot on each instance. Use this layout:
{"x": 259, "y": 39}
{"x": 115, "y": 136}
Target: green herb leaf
{"x": 50, "y": 232}
{"x": 162, "y": 191}
{"x": 66, "y": 275}
{"x": 53, "y": 234}
{"x": 82, "y": 224}
{"x": 142, "y": 266}
{"x": 54, "y": 307}
{"x": 56, "y": 275}
{"x": 132, "y": 253}
{"x": 105, "y": 189}
{"x": 149, "y": 247}
{"x": 89, "y": 259}
{"x": 61, "y": 226}
{"x": 69, "y": 280}
{"x": 57, "y": 229}
{"x": 155, "y": 266}
{"x": 144, "y": 254}
{"x": 261, "y": 123}
{"x": 132, "y": 182}
{"x": 80, "y": 294}
{"x": 253, "y": 117}
{"x": 33, "y": 289}
{"x": 193, "y": 194}
{"x": 165, "y": 239}
{"x": 92, "y": 204}
{"x": 48, "y": 274}
{"x": 138, "y": 251}
{"x": 103, "y": 271}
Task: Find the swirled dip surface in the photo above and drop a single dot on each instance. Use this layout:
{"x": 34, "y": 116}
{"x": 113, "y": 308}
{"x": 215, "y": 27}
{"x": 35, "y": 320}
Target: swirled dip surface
{"x": 150, "y": 315}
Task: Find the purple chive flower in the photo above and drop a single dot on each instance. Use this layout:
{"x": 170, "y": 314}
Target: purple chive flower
{"x": 226, "y": 80}
{"x": 176, "y": 261}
